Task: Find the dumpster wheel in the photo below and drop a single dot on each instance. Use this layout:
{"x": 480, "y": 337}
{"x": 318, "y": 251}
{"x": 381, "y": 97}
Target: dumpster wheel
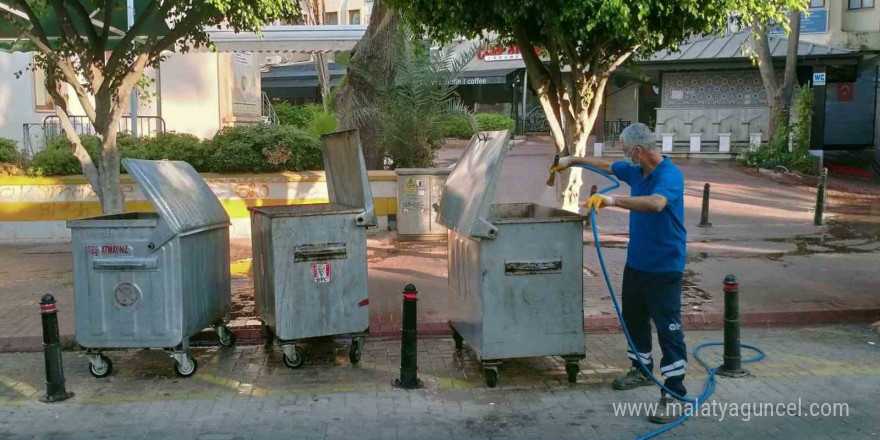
{"x": 299, "y": 358}
{"x": 490, "y": 375}
{"x": 187, "y": 368}
{"x": 227, "y": 338}
{"x": 457, "y": 339}
{"x": 355, "y": 350}
{"x": 572, "y": 369}
{"x": 103, "y": 368}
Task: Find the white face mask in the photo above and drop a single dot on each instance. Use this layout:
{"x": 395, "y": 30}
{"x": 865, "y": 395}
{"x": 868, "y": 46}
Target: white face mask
{"x": 629, "y": 160}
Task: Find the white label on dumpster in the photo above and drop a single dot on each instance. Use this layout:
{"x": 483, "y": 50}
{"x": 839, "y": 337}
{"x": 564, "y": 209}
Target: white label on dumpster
{"x": 122, "y": 250}
{"x": 321, "y": 272}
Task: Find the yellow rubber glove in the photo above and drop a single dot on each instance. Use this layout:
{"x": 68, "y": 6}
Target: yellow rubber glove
{"x": 597, "y": 201}
{"x": 557, "y": 169}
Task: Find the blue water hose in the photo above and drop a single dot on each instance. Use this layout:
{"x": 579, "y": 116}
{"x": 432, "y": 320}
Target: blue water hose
{"x": 709, "y": 386}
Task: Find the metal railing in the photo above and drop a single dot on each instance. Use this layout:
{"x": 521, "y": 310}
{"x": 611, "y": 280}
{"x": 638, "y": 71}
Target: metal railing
{"x": 614, "y": 128}
{"x": 268, "y": 110}
{"x": 533, "y": 121}
{"x": 33, "y": 138}
{"x": 36, "y": 136}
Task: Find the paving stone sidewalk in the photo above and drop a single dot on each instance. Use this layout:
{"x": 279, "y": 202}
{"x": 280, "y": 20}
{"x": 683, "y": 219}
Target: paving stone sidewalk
{"x": 246, "y": 393}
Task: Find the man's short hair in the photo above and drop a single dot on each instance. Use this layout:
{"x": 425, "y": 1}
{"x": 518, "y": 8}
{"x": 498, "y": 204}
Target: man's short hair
{"x": 638, "y": 134}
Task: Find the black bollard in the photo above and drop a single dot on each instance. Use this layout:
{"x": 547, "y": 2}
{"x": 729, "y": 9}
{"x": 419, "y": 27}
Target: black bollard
{"x": 55, "y": 387}
{"x": 409, "y": 365}
{"x": 732, "y": 366}
{"x": 819, "y": 220}
{"x": 704, "y": 216}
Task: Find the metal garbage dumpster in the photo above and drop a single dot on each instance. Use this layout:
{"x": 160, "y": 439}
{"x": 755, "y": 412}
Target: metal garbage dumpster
{"x": 515, "y": 270}
{"x": 418, "y": 189}
{"x": 310, "y": 261}
{"x": 153, "y": 279}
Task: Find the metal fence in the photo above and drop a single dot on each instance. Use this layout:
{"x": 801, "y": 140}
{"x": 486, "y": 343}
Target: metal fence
{"x": 268, "y": 112}
{"x": 533, "y": 121}
{"x": 614, "y": 128}
{"x": 36, "y": 136}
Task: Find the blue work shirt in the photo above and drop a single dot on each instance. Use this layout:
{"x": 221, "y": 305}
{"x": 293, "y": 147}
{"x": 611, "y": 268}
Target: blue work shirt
{"x": 657, "y": 240}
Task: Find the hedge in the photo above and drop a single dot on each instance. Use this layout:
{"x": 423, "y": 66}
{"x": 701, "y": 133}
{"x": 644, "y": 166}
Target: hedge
{"x": 11, "y": 159}
{"x": 298, "y": 116}
{"x": 260, "y": 148}
{"x": 253, "y": 148}
{"x": 460, "y": 127}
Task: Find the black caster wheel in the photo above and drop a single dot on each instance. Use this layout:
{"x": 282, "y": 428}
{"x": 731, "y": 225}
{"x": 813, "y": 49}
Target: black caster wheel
{"x": 355, "y": 351}
{"x": 268, "y": 334}
{"x": 457, "y": 339}
{"x": 186, "y": 370}
{"x": 228, "y": 338}
{"x": 297, "y": 362}
{"x": 491, "y": 377}
{"x": 572, "y": 370}
{"x": 103, "y": 370}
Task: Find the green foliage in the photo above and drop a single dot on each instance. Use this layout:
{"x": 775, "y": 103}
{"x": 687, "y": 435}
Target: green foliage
{"x": 257, "y": 148}
{"x": 170, "y": 146}
{"x": 57, "y": 158}
{"x": 460, "y": 126}
{"x": 9, "y": 152}
{"x": 803, "y": 107}
{"x": 322, "y": 122}
{"x": 776, "y": 153}
{"x": 299, "y": 116}
{"x": 494, "y": 122}
{"x": 574, "y": 28}
{"x": 11, "y": 159}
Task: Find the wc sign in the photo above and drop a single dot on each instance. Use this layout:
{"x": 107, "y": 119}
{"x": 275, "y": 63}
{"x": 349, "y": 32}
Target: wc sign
{"x": 819, "y": 79}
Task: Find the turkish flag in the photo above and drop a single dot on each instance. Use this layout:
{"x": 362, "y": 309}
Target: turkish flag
{"x": 845, "y": 91}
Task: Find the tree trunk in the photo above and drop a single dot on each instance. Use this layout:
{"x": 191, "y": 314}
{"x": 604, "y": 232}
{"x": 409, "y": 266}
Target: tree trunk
{"x": 778, "y": 95}
{"x": 114, "y": 200}
{"x": 373, "y": 54}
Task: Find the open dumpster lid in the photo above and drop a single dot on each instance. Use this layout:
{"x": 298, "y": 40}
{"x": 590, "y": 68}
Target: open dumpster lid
{"x": 347, "y": 180}
{"x": 178, "y": 193}
{"x": 470, "y": 188}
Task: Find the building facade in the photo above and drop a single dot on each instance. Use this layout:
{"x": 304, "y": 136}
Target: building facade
{"x": 196, "y": 93}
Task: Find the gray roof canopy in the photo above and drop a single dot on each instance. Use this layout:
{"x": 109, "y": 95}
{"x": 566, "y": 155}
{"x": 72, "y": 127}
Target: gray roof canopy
{"x": 734, "y": 47}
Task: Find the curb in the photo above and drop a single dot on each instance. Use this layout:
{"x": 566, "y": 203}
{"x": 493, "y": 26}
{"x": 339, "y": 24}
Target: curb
{"x": 251, "y": 335}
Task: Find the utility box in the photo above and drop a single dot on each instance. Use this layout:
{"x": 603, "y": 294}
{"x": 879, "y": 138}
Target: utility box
{"x": 515, "y": 269}
{"x": 310, "y": 261}
{"x": 153, "y": 280}
{"x": 418, "y": 190}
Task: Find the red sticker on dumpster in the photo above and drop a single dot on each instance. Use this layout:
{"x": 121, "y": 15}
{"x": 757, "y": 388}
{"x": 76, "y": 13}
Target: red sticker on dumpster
{"x": 110, "y": 249}
{"x": 321, "y": 272}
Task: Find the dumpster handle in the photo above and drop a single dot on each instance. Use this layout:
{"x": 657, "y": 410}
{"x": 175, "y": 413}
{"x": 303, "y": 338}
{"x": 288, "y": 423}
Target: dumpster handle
{"x": 126, "y": 263}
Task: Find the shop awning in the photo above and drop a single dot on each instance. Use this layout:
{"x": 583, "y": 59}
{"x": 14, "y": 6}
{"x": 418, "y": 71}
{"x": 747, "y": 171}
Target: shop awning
{"x": 484, "y": 77}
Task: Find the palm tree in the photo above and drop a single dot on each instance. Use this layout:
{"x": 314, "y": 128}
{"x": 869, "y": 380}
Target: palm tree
{"x": 413, "y": 111}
